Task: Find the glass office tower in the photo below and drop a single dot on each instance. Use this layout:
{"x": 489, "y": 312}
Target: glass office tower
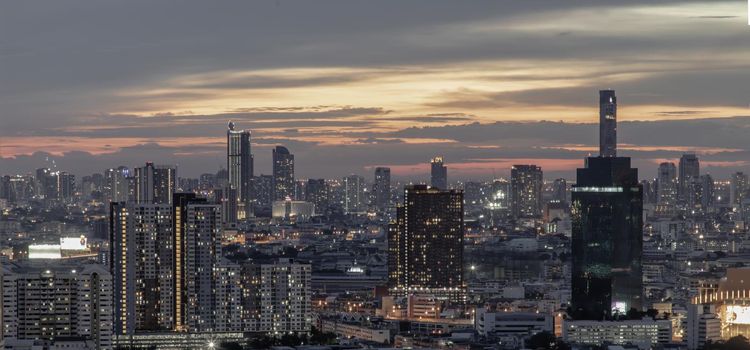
{"x": 607, "y": 204}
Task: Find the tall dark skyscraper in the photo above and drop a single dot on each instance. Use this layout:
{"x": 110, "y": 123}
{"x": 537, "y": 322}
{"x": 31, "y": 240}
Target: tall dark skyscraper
{"x": 689, "y": 170}
{"x": 425, "y": 243}
{"x": 438, "y": 173}
{"x": 239, "y": 164}
{"x": 607, "y": 123}
{"x": 526, "y": 190}
{"x": 381, "y": 189}
{"x": 283, "y": 173}
{"x": 607, "y": 244}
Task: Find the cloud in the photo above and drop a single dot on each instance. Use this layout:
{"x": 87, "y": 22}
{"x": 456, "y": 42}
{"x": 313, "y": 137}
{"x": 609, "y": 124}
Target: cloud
{"x": 349, "y": 84}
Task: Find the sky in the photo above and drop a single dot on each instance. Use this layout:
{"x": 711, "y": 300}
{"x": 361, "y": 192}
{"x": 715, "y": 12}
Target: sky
{"x": 349, "y": 85}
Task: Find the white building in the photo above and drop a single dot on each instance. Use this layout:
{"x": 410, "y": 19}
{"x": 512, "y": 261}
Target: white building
{"x": 702, "y": 325}
{"x": 47, "y": 300}
{"x": 357, "y": 331}
{"x": 512, "y": 324}
{"x": 284, "y": 297}
{"x": 642, "y": 333}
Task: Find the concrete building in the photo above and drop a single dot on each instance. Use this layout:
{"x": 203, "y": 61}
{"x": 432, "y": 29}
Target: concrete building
{"x": 526, "y": 191}
{"x": 50, "y": 300}
{"x": 643, "y": 333}
{"x": 285, "y": 305}
{"x": 515, "y": 324}
{"x": 703, "y": 325}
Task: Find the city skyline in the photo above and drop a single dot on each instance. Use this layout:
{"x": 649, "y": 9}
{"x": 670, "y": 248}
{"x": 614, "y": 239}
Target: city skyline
{"x": 169, "y": 90}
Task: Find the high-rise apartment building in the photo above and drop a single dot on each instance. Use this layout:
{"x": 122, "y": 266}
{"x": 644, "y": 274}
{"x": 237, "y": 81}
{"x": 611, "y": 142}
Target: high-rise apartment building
{"x": 526, "y": 190}
{"x": 689, "y": 169}
{"x": 154, "y": 184}
{"x": 54, "y": 300}
{"x": 355, "y": 194}
{"x": 667, "y": 184}
{"x": 284, "y": 288}
{"x": 66, "y": 185}
{"x": 425, "y": 243}
{"x": 738, "y": 188}
{"x": 240, "y": 164}
{"x": 317, "y": 194}
{"x": 116, "y": 184}
{"x": 381, "y": 189}
{"x": 142, "y": 264}
{"x": 283, "y": 173}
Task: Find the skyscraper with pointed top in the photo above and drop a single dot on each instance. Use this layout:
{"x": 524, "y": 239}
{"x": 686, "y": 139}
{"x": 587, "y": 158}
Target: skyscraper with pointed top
{"x": 607, "y": 123}
{"x": 607, "y": 216}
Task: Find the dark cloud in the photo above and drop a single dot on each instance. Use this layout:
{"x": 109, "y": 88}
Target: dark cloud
{"x": 70, "y": 69}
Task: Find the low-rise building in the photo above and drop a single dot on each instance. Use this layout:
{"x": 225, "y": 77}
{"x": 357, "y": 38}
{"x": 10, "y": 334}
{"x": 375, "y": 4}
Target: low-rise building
{"x": 643, "y": 333}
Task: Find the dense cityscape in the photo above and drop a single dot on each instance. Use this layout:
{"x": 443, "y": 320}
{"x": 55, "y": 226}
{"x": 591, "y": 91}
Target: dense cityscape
{"x": 141, "y": 257}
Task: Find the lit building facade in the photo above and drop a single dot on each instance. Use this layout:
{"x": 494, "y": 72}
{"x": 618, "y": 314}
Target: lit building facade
{"x": 154, "y": 184}
{"x": 240, "y": 165}
{"x": 381, "y": 189}
{"x": 142, "y": 264}
{"x": 645, "y": 334}
{"x": 283, "y": 173}
{"x": 355, "y": 194}
{"x": 689, "y": 171}
{"x": 53, "y": 300}
{"x": 526, "y": 191}
{"x": 667, "y": 185}
{"x": 284, "y": 306}
{"x": 425, "y": 243}
{"x": 730, "y": 302}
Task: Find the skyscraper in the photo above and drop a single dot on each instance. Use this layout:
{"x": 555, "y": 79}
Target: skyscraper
{"x": 381, "y": 189}
{"x": 438, "y": 173}
{"x": 738, "y": 188}
{"x": 66, "y": 185}
{"x": 263, "y": 191}
{"x": 197, "y": 236}
{"x": 54, "y": 300}
{"x": 283, "y": 173}
{"x": 355, "y": 195}
{"x": 708, "y": 191}
{"x": 116, "y": 183}
{"x": 142, "y": 261}
{"x": 526, "y": 190}
{"x": 154, "y": 184}
{"x": 240, "y": 164}
{"x": 425, "y": 243}
{"x": 689, "y": 170}
{"x": 317, "y": 193}
{"x": 607, "y": 123}
{"x": 285, "y": 303}
{"x": 667, "y": 184}
{"x": 560, "y": 190}
{"x": 607, "y": 237}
